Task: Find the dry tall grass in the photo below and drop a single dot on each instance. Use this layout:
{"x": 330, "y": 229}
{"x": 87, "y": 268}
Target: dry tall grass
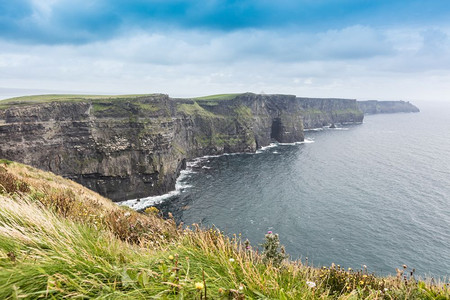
{"x": 60, "y": 240}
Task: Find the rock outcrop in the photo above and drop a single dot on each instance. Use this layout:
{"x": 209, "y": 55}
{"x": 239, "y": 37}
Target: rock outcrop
{"x": 135, "y": 146}
{"x": 386, "y": 107}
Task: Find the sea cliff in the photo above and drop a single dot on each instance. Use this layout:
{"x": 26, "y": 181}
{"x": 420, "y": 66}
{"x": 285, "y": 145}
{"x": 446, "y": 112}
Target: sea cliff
{"x": 134, "y": 146}
{"x": 386, "y": 107}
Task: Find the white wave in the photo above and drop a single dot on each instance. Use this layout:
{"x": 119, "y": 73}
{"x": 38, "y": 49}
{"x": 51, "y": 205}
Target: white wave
{"x": 152, "y": 200}
{"x": 209, "y": 156}
{"x": 206, "y": 167}
{"x": 314, "y": 129}
{"x": 148, "y": 201}
{"x": 339, "y": 128}
{"x": 271, "y": 145}
{"x": 234, "y": 153}
{"x": 276, "y": 152}
{"x": 307, "y": 141}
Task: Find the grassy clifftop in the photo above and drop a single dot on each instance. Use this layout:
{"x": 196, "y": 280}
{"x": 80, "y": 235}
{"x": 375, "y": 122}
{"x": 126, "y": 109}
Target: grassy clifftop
{"x": 35, "y": 99}
{"x": 39, "y": 99}
{"x": 59, "y": 239}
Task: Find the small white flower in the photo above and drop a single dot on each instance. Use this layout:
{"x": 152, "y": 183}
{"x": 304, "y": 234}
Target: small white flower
{"x": 127, "y": 214}
{"x": 311, "y": 284}
{"x": 231, "y": 260}
{"x": 241, "y": 288}
{"x": 386, "y": 289}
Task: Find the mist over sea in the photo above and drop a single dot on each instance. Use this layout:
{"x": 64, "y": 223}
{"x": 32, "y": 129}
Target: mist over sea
{"x": 374, "y": 194}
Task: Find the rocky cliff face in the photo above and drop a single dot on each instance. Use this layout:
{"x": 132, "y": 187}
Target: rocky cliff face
{"x": 318, "y": 112}
{"x": 385, "y": 107}
{"x": 136, "y": 146}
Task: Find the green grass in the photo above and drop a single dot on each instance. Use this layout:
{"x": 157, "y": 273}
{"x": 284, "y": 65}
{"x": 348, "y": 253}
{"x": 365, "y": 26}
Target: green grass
{"x": 195, "y": 109}
{"x": 243, "y": 114}
{"x": 218, "y": 97}
{"x": 38, "y": 99}
{"x": 59, "y": 240}
{"x": 5, "y": 161}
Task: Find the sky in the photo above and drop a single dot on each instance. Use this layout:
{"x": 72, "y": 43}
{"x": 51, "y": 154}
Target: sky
{"x": 363, "y": 49}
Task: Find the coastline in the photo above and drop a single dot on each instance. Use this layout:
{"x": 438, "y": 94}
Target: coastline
{"x": 140, "y": 204}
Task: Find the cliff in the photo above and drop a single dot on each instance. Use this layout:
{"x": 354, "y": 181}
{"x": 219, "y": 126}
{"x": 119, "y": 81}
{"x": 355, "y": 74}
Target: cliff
{"x": 319, "y": 112}
{"x": 385, "y": 107}
{"x": 134, "y": 146}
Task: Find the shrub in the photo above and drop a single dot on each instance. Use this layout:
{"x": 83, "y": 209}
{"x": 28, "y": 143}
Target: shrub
{"x": 272, "y": 251}
{"x": 10, "y": 184}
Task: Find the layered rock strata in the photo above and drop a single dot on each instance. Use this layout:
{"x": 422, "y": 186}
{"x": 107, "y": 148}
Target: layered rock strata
{"x": 135, "y": 146}
{"x": 386, "y": 107}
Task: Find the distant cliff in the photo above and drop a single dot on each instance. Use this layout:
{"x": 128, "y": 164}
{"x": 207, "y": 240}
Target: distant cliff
{"x": 319, "y": 112}
{"x": 385, "y": 107}
{"x": 134, "y": 146}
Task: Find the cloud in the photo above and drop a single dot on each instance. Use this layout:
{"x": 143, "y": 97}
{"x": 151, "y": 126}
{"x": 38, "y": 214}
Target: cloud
{"x": 81, "y": 22}
{"x": 348, "y": 48}
{"x": 356, "y": 61}
{"x": 200, "y": 47}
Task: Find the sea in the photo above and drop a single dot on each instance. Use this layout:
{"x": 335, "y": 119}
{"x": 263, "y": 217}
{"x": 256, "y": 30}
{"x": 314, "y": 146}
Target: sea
{"x": 374, "y": 194}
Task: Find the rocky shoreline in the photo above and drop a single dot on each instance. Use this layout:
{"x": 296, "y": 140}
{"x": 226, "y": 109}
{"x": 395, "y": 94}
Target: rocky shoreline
{"x": 128, "y": 147}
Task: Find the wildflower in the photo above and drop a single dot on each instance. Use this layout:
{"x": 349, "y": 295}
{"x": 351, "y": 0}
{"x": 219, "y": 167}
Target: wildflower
{"x": 349, "y": 269}
{"x": 348, "y": 287}
{"x": 386, "y": 289}
{"x": 269, "y": 232}
{"x": 364, "y": 276}
{"x": 231, "y": 260}
{"x": 241, "y": 287}
{"x": 361, "y": 282}
{"x": 221, "y": 291}
{"x": 127, "y": 214}
{"x": 311, "y": 284}
{"x": 171, "y": 257}
{"x": 199, "y": 286}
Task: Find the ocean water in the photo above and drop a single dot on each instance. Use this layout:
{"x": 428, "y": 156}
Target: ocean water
{"x": 375, "y": 194}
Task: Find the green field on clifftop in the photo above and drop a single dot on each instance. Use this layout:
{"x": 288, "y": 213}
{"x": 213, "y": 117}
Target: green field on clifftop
{"x": 37, "y": 99}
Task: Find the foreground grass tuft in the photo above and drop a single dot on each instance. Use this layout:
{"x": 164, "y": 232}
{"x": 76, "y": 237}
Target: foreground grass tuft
{"x": 60, "y": 240}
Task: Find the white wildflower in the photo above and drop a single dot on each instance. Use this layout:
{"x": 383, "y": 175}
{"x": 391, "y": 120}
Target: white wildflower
{"x": 311, "y": 284}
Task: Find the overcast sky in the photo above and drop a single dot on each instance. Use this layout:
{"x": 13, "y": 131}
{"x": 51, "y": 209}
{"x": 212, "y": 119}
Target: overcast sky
{"x": 364, "y": 49}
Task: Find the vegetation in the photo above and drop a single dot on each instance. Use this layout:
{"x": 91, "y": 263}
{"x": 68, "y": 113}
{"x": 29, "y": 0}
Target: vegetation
{"x": 195, "y": 109}
{"x": 38, "y": 99}
{"x": 244, "y": 114}
{"x": 60, "y": 240}
{"x": 218, "y": 97}
{"x": 101, "y": 101}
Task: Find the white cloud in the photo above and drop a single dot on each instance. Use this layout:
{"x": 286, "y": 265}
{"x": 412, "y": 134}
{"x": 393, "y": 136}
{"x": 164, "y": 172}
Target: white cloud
{"x": 355, "y": 62}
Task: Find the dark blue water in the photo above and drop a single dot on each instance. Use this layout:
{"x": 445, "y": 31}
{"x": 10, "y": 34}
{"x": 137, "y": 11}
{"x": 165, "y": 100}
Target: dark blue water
{"x": 375, "y": 194}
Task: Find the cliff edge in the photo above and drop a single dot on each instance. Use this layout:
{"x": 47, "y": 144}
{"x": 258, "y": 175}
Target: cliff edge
{"x": 135, "y": 146}
{"x": 386, "y": 107}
